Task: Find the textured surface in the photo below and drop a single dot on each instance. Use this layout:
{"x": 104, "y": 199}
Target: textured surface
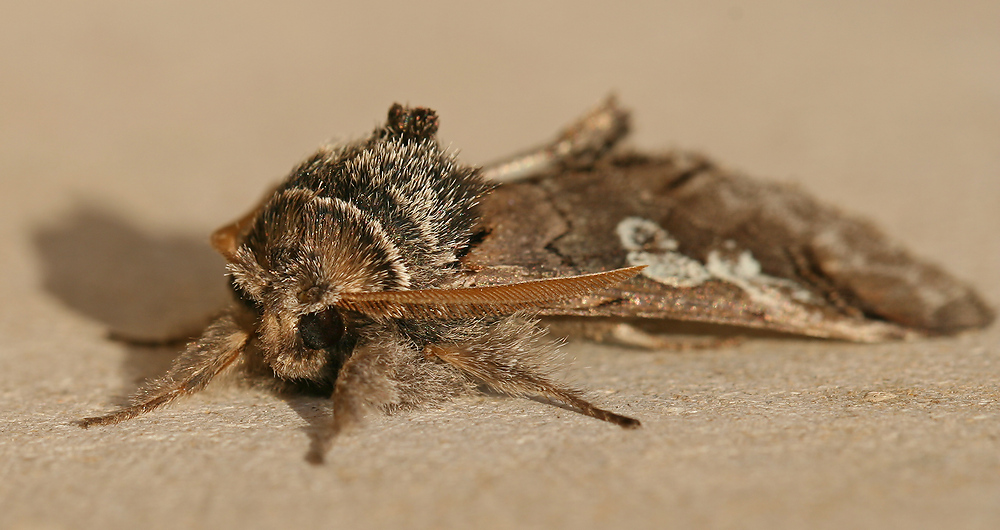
{"x": 128, "y": 133}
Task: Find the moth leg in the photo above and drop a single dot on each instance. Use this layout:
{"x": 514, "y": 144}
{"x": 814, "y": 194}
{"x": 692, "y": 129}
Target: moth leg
{"x": 362, "y": 384}
{"x": 219, "y": 347}
{"x": 580, "y": 144}
{"x": 516, "y": 381}
{"x": 511, "y": 356}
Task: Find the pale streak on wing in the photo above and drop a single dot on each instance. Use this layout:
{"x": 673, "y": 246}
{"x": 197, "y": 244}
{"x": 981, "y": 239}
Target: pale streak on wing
{"x": 430, "y": 304}
{"x": 580, "y": 144}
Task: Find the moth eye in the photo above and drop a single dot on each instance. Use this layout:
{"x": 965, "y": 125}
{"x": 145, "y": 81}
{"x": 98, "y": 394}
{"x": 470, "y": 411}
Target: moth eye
{"x": 322, "y": 329}
{"x": 243, "y": 296}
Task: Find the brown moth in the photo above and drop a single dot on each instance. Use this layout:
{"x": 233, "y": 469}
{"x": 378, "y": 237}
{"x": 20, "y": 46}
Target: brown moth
{"x": 348, "y": 283}
{"x": 385, "y": 274}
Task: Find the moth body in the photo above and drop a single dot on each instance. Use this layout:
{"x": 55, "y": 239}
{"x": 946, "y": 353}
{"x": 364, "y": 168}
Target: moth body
{"x": 349, "y": 283}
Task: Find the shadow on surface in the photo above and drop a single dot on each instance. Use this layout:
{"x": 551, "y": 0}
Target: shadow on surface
{"x": 144, "y": 286}
{"x": 136, "y": 282}
{"x": 318, "y": 414}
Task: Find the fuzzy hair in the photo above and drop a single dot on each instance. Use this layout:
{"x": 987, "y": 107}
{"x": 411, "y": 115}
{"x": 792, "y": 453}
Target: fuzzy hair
{"x": 388, "y": 213}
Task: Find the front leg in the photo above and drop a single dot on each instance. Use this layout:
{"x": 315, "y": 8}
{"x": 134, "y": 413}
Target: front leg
{"x": 364, "y": 383}
{"x": 219, "y": 347}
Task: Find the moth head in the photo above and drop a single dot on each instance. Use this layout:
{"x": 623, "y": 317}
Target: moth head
{"x": 300, "y": 255}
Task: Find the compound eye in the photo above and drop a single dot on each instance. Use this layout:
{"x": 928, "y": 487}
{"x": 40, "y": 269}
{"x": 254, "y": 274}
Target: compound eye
{"x": 322, "y": 329}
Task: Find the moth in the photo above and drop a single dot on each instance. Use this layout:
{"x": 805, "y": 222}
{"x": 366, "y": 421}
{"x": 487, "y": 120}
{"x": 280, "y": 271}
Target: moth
{"x": 385, "y": 274}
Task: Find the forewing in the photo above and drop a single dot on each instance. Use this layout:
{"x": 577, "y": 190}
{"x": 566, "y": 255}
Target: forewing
{"x": 719, "y": 247}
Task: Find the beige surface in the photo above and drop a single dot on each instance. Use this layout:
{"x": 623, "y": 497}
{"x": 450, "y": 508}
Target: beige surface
{"x": 127, "y": 133}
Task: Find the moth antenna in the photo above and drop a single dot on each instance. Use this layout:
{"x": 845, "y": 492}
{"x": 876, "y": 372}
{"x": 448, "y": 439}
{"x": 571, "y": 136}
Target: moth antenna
{"x": 432, "y": 304}
{"x": 221, "y": 344}
{"x": 512, "y": 379}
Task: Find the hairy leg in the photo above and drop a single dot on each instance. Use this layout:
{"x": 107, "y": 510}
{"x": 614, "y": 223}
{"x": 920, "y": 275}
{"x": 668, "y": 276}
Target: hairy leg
{"x": 362, "y": 384}
{"x": 513, "y": 357}
{"x": 219, "y": 346}
{"x": 385, "y": 372}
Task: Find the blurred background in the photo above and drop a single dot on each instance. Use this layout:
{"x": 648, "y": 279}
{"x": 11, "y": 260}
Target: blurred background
{"x": 162, "y": 107}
